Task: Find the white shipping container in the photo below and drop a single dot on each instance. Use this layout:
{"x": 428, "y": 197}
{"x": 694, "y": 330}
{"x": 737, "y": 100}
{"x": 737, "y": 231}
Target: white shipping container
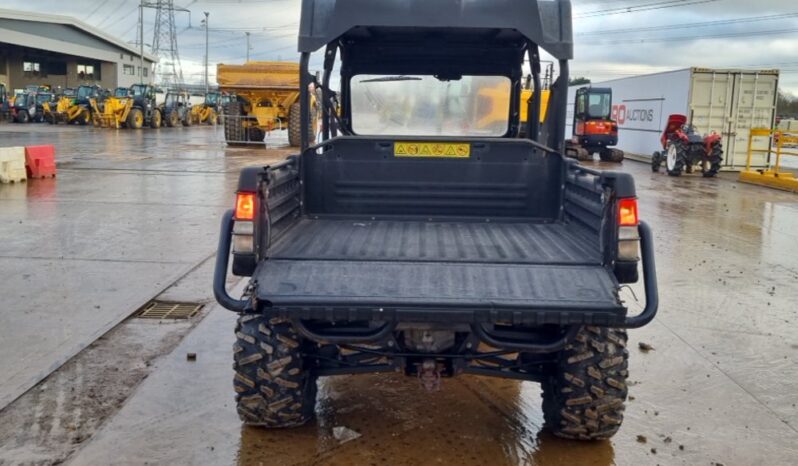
{"x": 728, "y": 102}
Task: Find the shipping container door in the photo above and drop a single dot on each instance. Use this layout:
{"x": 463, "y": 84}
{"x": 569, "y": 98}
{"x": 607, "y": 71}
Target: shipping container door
{"x": 754, "y": 107}
{"x": 711, "y": 97}
{"x": 730, "y": 103}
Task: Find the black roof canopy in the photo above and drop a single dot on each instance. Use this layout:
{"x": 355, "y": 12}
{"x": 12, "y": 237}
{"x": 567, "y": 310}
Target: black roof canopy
{"x": 547, "y": 23}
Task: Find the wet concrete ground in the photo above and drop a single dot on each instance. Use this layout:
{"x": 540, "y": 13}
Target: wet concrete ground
{"x": 128, "y": 214}
{"x": 719, "y": 387}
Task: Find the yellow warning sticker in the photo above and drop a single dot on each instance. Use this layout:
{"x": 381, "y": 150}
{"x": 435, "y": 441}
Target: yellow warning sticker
{"x": 432, "y": 149}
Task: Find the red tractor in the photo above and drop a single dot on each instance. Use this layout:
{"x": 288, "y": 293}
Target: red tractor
{"x": 594, "y": 130}
{"x": 684, "y": 148}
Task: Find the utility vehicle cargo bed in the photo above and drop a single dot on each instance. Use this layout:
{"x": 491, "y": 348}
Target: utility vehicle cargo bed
{"x": 519, "y": 272}
{"x": 360, "y": 240}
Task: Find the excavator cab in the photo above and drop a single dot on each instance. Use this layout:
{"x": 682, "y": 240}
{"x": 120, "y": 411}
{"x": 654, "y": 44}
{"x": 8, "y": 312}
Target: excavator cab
{"x": 594, "y": 130}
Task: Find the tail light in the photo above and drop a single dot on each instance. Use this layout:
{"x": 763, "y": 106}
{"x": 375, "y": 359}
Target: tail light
{"x": 628, "y": 236}
{"x": 627, "y": 212}
{"x": 245, "y": 206}
{"x": 244, "y": 226}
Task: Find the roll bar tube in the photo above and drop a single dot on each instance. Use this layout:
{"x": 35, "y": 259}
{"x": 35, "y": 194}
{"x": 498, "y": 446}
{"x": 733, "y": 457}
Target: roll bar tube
{"x": 220, "y": 271}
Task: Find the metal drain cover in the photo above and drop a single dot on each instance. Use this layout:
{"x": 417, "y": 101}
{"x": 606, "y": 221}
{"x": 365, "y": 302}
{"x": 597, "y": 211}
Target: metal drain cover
{"x": 163, "y": 310}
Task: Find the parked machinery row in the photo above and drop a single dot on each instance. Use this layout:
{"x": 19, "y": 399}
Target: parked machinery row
{"x": 133, "y": 107}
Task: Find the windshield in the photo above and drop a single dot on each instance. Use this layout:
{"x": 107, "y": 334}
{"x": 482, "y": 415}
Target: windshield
{"x": 121, "y": 92}
{"x": 85, "y": 92}
{"x": 427, "y": 106}
{"x": 42, "y": 98}
{"x": 138, "y": 90}
{"x": 599, "y": 105}
{"x": 170, "y": 99}
{"x": 212, "y": 99}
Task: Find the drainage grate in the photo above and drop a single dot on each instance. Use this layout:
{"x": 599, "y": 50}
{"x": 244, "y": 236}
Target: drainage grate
{"x": 162, "y": 310}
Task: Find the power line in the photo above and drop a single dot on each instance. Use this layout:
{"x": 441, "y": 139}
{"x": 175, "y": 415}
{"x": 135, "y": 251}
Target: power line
{"x": 644, "y": 7}
{"x": 696, "y": 37}
{"x": 723, "y": 22}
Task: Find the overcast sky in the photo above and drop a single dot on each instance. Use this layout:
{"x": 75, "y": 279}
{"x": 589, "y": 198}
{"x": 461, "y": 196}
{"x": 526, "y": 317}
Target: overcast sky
{"x": 635, "y": 39}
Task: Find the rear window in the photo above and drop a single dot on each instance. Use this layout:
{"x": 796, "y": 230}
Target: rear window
{"x": 427, "y": 106}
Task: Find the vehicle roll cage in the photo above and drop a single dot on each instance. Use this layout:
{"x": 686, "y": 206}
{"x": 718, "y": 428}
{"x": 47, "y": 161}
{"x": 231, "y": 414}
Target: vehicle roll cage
{"x": 368, "y": 34}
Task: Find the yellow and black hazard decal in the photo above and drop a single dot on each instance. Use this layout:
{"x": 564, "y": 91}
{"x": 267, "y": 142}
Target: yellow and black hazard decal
{"x": 432, "y": 149}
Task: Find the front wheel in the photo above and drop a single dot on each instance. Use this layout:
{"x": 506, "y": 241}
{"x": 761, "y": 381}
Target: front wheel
{"x": 585, "y": 398}
{"x": 135, "y": 120}
{"x": 155, "y": 119}
{"x": 273, "y": 386}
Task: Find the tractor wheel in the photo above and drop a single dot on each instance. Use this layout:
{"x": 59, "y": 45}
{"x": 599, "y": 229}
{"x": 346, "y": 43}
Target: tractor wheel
{"x": 612, "y": 155}
{"x": 656, "y": 161}
{"x": 234, "y": 133}
{"x": 188, "y": 119}
{"x": 50, "y": 118}
{"x": 714, "y": 160}
{"x": 155, "y": 119}
{"x": 585, "y": 399}
{"x": 675, "y": 158}
{"x": 295, "y": 128}
{"x": 173, "y": 119}
{"x": 273, "y": 386}
{"x": 135, "y": 120}
{"x": 23, "y": 116}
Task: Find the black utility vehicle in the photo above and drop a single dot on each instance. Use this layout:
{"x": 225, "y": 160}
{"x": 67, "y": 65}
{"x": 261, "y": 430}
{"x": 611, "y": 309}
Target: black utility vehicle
{"x": 412, "y": 240}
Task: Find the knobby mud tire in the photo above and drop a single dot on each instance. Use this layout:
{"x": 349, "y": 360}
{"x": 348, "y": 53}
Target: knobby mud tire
{"x": 585, "y": 399}
{"x": 273, "y": 386}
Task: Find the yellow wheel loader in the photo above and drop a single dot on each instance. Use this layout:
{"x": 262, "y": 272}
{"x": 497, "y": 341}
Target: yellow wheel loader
{"x": 267, "y": 99}
{"x": 75, "y": 108}
{"x": 133, "y": 111}
{"x": 206, "y": 113}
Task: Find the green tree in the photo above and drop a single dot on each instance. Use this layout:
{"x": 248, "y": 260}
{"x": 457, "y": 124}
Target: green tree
{"x": 787, "y": 105}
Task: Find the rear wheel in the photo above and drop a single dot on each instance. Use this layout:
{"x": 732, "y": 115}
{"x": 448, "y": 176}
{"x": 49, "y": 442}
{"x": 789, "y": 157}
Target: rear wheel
{"x": 273, "y": 387}
{"x": 188, "y": 118}
{"x": 295, "y": 128}
{"x": 675, "y": 158}
{"x": 135, "y": 120}
{"x": 255, "y": 134}
{"x": 711, "y": 166}
{"x": 656, "y": 161}
{"x": 233, "y": 128}
{"x": 585, "y": 399}
{"x": 23, "y": 116}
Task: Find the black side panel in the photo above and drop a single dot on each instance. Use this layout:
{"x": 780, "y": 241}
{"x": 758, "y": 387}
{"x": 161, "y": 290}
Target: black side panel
{"x": 501, "y": 178}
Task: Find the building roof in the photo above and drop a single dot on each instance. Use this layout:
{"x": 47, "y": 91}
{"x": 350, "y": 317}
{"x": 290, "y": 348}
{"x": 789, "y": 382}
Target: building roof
{"x": 64, "y": 25}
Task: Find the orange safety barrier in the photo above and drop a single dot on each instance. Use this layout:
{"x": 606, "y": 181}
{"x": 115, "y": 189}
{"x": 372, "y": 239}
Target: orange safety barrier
{"x": 12, "y": 164}
{"x": 40, "y": 161}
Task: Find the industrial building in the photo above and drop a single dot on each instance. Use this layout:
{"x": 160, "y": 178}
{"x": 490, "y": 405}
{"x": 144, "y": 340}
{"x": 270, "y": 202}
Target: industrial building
{"x": 61, "y": 51}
